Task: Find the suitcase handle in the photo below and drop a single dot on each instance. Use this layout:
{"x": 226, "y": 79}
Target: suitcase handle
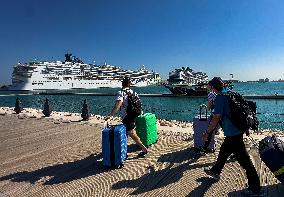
{"x": 106, "y": 124}
{"x": 203, "y": 106}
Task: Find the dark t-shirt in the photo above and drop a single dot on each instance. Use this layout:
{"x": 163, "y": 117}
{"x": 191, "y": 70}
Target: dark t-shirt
{"x": 222, "y": 108}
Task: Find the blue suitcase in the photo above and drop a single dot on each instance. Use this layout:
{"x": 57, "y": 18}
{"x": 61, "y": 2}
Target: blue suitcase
{"x": 114, "y": 145}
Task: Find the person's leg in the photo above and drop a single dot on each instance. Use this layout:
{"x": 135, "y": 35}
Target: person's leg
{"x": 225, "y": 152}
{"x": 134, "y": 136}
{"x": 243, "y": 158}
{"x": 130, "y": 128}
{"x": 207, "y": 142}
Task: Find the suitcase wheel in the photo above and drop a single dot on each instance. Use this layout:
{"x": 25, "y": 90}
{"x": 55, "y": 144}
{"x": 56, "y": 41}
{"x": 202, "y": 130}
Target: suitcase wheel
{"x": 119, "y": 166}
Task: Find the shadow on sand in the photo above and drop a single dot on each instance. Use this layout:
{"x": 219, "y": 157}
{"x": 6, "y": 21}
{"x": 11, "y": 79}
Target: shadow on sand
{"x": 66, "y": 172}
{"x": 161, "y": 178}
{"x": 205, "y": 184}
{"x": 61, "y": 173}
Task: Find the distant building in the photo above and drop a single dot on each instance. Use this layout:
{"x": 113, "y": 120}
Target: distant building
{"x": 232, "y": 80}
{"x": 263, "y": 80}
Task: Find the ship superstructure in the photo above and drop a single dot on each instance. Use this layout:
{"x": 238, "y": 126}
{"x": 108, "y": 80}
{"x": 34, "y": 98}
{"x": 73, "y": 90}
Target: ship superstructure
{"x": 74, "y": 74}
{"x": 187, "y": 76}
{"x": 184, "y": 81}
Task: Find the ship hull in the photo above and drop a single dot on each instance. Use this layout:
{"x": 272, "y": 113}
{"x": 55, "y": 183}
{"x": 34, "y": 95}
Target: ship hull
{"x": 82, "y": 84}
{"x": 74, "y": 74}
{"x": 79, "y": 84}
{"x": 187, "y": 90}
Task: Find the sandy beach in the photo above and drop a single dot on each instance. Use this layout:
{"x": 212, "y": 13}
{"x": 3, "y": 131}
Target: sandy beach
{"x": 61, "y": 156}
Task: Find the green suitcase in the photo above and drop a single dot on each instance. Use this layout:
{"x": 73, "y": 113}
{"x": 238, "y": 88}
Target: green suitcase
{"x": 146, "y": 128}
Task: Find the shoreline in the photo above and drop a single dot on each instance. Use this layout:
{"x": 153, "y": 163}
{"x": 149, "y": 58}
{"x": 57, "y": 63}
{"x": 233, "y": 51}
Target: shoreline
{"x": 162, "y": 124}
{"x": 61, "y": 156}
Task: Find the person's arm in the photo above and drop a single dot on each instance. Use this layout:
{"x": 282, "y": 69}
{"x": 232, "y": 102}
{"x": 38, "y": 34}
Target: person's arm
{"x": 213, "y": 124}
{"x": 209, "y": 104}
{"x": 115, "y": 108}
{"x": 218, "y": 111}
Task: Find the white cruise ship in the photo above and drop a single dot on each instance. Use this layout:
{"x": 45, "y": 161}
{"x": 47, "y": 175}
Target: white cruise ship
{"x": 74, "y": 74}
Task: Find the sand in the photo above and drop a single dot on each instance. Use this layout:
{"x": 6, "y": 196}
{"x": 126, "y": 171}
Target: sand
{"x": 61, "y": 156}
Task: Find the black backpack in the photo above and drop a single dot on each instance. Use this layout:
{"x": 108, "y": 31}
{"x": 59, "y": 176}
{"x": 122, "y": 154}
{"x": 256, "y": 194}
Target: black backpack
{"x": 134, "y": 106}
{"x": 242, "y": 112}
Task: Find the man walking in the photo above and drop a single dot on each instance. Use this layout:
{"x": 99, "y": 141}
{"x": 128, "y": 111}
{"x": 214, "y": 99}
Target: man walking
{"x": 129, "y": 121}
{"x": 233, "y": 142}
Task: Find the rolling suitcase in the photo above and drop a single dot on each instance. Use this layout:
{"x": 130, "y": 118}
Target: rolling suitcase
{"x": 146, "y": 128}
{"x": 200, "y": 125}
{"x": 271, "y": 150}
{"x": 114, "y": 145}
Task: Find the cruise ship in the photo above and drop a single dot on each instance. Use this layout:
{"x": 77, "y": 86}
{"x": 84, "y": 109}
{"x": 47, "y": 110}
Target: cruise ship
{"x": 185, "y": 81}
{"x": 187, "y": 76}
{"x": 74, "y": 74}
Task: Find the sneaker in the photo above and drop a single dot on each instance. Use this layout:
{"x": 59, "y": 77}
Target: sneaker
{"x": 232, "y": 157}
{"x": 142, "y": 154}
{"x": 249, "y": 192}
{"x": 213, "y": 175}
{"x": 209, "y": 150}
{"x": 199, "y": 151}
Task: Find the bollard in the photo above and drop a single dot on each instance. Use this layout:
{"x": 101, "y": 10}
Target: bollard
{"x": 46, "y": 109}
{"x": 18, "y": 106}
{"x": 85, "y": 111}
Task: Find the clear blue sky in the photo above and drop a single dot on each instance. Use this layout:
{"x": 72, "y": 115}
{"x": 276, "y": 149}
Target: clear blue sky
{"x": 244, "y": 37}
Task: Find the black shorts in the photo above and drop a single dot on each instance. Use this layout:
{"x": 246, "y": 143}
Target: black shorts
{"x": 129, "y": 123}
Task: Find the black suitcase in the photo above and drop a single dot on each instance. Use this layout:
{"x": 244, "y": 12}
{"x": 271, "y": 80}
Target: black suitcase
{"x": 271, "y": 150}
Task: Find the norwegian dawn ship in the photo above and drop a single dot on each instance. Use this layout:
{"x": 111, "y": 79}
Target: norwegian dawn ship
{"x": 74, "y": 74}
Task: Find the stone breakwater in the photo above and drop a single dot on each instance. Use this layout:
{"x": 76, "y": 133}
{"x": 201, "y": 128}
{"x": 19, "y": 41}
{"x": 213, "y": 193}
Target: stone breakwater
{"x": 66, "y": 116}
{"x": 163, "y": 125}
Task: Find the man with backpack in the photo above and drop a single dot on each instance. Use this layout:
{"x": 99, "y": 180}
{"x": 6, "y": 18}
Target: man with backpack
{"x": 233, "y": 142}
{"x": 129, "y": 104}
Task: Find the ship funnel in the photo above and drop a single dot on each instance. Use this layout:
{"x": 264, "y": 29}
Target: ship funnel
{"x": 68, "y": 57}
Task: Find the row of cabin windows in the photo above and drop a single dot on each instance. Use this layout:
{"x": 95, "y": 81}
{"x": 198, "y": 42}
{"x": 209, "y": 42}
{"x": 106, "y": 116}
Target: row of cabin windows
{"x": 35, "y": 82}
{"x": 45, "y": 81}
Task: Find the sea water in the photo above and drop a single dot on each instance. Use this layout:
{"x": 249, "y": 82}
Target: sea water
{"x": 270, "y": 112}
